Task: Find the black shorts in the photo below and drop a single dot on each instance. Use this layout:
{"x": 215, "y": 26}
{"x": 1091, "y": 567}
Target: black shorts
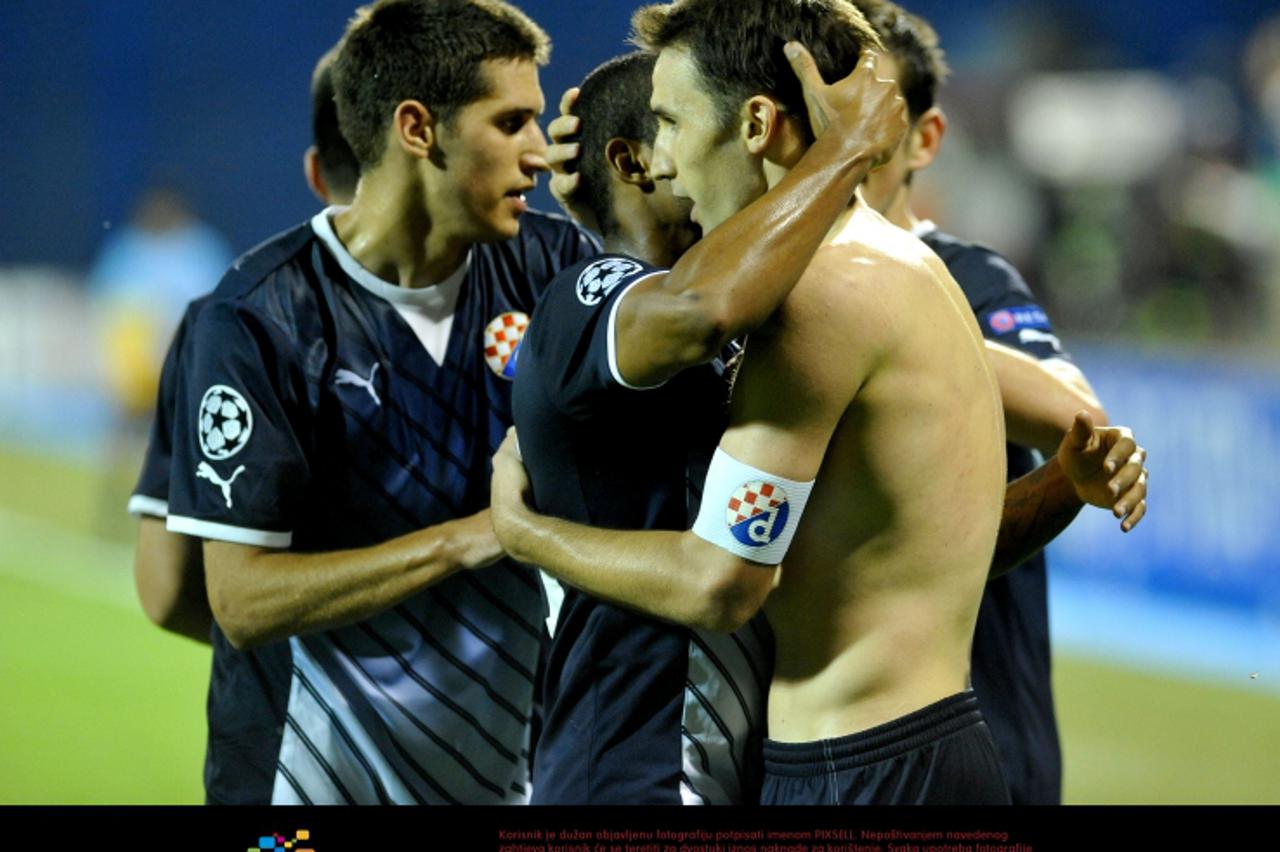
{"x": 942, "y": 754}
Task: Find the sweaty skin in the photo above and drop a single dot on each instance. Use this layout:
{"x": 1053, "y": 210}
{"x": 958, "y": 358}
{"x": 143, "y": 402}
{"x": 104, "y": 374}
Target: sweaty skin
{"x": 879, "y": 593}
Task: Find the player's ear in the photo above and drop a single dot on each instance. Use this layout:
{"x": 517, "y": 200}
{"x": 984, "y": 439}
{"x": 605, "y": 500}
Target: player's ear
{"x": 627, "y": 161}
{"x": 760, "y": 118}
{"x": 926, "y": 138}
{"x": 315, "y": 177}
{"x": 413, "y": 128}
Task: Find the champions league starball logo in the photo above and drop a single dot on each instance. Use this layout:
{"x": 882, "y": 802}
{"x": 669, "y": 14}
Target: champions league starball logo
{"x": 225, "y": 422}
{"x": 757, "y": 513}
{"x": 600, "y": 278}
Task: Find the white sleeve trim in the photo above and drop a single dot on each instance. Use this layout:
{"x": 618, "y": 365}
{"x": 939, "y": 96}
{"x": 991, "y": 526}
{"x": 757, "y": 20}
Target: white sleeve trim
{"x": 613, "y": 336}
{"x": 141, "y": 504}
{"x": 225, "y": 532}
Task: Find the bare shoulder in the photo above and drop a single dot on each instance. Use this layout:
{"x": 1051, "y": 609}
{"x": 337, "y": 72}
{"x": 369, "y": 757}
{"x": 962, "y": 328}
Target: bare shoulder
{"x": 859, "y": 281}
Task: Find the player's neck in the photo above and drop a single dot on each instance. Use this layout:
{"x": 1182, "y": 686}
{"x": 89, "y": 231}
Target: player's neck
{"x": 388, "y": 231}
{"x": 642, "y": 236}
{"x": 899, "y": 210}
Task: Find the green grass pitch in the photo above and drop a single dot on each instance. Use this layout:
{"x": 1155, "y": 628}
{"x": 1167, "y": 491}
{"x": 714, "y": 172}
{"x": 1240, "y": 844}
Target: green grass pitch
{"x": 99, "y": 706}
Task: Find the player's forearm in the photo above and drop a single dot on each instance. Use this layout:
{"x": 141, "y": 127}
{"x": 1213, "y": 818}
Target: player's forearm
{"x": 1037, "y": 507}
{"x": 169, "y": 577}
{"x": 663, "y": 574}
{"x": 1040, "y": 400}
{"x": 260, "y": 595}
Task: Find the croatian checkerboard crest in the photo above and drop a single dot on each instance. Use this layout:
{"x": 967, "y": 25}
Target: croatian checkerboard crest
{"x": 757, "y": 513}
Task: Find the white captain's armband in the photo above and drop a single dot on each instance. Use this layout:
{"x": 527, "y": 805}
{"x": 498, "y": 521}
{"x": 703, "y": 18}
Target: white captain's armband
{"x": 748, "y": 512}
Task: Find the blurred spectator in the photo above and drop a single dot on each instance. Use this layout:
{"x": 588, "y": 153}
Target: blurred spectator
{"x": 141, "y": 282}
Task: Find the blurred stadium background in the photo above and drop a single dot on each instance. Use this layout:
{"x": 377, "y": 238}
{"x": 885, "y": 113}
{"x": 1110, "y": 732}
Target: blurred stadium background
{"x": 1125, "y": 156}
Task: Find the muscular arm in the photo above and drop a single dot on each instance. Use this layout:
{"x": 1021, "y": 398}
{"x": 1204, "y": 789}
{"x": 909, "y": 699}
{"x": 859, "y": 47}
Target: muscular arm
{"x": 1096, "y": 466}
{"x": 1041, "y": 397}
{"x": 260, "y": 595}
{"x": 674, "y": 576}
{"x": 679, "y": 576}
{"x": 736, "y": 276}
{"x": 169, "y": 575}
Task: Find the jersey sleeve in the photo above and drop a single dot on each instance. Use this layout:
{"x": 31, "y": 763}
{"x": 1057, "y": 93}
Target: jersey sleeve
{"x": 151, "y": 495}
{"x": 1007, "y": 312}
{"x": 578, "y": 341}
{"x": 239, "y": 472}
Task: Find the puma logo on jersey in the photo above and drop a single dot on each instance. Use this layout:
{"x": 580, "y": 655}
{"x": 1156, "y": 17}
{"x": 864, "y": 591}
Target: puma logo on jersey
{"x": 206, "y": 471}
{"x": 346, "y": 377}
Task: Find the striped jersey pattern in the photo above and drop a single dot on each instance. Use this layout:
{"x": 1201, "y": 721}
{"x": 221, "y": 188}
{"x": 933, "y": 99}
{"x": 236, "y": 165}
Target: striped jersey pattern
{"x": 723, "y": 723}
{"x": 360, "y": 436}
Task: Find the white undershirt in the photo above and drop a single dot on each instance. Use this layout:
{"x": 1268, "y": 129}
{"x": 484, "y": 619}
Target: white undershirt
{"x": 923, "y": 228}
{"x": 428, "y": 310}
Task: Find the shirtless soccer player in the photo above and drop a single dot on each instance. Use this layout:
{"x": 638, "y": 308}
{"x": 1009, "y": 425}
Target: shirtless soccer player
{"x": 872, "y": 380}
{"x": 638, "y": 710}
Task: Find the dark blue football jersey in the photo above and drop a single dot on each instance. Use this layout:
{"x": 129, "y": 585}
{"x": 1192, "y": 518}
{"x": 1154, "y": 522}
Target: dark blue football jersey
{"x": 1011, "y": 659}
{"x": 637, "y": 711}
{"x": 151, "y": 494}
{"x": 311, "y": 416}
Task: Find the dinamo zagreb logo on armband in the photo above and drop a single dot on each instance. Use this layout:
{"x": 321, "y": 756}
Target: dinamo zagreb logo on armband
{"x": 225, "y": 422}
{"x": 502, "y": 338}
{"x": 757, "y": 513}
{"x": 599, "y": 279}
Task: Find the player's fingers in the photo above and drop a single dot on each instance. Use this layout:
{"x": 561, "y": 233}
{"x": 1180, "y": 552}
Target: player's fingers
{"x": 568, "y": 99}
{"x": 564, "y": 129}
{"x": 1133, "y": 519}
{"x": 803, "y": 65}
{"x": 564, "y": 157}
{"x": 1122, "y": 447}
{"x": 1126, "y": 476}
{"x": 1136, "y": 494}
{"x": 563, "y": 186}
{"x": 1081, "y": 430}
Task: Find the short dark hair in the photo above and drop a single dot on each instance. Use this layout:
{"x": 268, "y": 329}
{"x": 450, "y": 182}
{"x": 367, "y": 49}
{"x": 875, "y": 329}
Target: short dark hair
{"x": 338, "y": 164}
{"x": 613, "y": 102}
{"x": 737, "y": 44}
{"x": 922, "y": 66}
{"x": 428, "y": 50}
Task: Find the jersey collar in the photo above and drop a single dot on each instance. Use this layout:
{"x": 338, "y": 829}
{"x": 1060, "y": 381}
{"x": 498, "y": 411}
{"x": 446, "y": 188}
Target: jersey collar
{"x": 439, "y": 297}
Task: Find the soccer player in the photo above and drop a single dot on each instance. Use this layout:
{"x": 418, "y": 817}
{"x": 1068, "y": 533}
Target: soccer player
{"x": 168, "y": 568}
{"x": 875, "y": 615}
{"x": 338, "y": 400}
{"x": 1011, "y": 659}
{"x": 637, "y": 710}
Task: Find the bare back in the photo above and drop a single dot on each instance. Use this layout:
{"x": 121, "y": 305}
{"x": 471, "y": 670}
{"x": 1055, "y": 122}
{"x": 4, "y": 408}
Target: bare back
{"x": 874, "y": 376}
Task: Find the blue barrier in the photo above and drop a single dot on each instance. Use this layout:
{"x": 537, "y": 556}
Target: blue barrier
{"x": 1212, "y": 431}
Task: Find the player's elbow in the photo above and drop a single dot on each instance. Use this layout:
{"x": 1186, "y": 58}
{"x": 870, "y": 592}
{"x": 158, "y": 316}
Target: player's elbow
{"x": 701, "y": 331}
{"x": 734, "y": 591}
{"x": 235, "y": 616}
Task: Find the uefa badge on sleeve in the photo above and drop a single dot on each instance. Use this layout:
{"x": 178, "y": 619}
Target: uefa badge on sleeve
{"x": 224, "y": 422}
{"x": 757, "y": 513}
{"x": 600, "y": 279}
{"x": 502, "y": 338}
